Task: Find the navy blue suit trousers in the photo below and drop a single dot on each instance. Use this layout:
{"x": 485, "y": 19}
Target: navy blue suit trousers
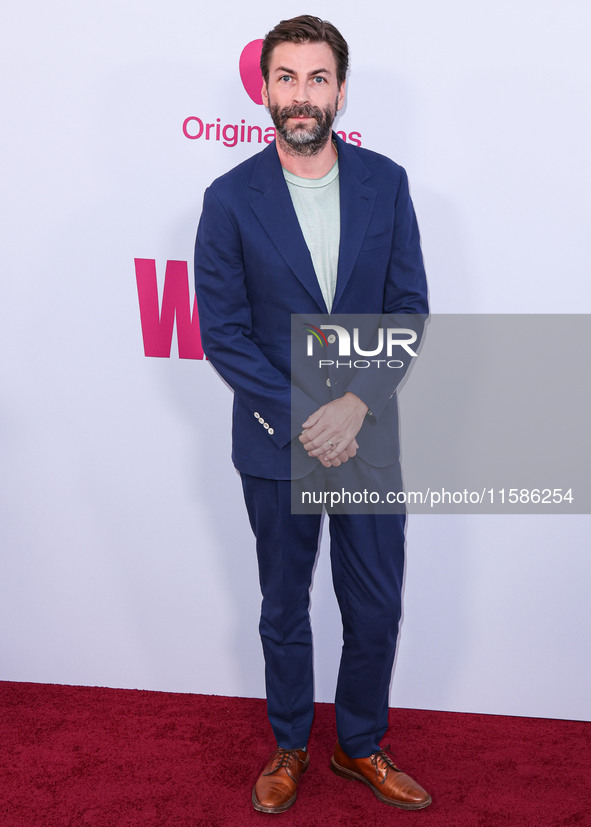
{"x": 367, "y": 562}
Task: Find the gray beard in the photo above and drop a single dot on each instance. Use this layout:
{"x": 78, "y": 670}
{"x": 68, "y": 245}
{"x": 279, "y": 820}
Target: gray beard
{"x": 303, "y": 140}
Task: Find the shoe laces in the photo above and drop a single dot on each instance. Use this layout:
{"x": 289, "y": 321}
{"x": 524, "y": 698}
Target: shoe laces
{"x": 284, "y": 759}
{"x": 382, "y": 761}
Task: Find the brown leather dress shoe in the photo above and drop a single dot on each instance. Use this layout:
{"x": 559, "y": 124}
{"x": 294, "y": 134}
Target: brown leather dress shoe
{"x": 277, "y": 786}
{"x": 378, "y": 771}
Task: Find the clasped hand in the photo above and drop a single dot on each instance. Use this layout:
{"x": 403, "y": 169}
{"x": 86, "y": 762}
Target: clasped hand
{"x": 329, "y": 433}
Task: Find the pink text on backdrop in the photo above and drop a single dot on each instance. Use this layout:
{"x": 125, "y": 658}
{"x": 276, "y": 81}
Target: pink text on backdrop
{"x": 157, "y": 323}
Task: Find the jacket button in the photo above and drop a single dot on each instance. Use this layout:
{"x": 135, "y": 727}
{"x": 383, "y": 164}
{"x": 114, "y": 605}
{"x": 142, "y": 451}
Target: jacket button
{"x": 332, "y": 339}
{"x": 266, "y": 425}
{"x": 261, "y": 420}
{"x": 256, "y": 414}
{"x": 270, "y": 431}
{"x": 328, "y": 382}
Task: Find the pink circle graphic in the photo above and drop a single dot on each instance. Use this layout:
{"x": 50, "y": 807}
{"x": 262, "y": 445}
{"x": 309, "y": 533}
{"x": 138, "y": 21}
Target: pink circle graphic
{"x": 250, "y": 70}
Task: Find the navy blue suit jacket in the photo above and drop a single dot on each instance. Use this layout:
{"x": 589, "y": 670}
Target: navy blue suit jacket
{"x": 253, "y": 270}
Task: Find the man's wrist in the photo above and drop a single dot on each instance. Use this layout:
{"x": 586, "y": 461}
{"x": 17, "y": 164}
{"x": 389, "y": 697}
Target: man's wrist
{"x": 360, "y": 402}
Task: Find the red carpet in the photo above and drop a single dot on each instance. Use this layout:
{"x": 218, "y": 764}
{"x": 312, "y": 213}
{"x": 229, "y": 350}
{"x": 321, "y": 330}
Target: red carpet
{"x": 114, "y": 757}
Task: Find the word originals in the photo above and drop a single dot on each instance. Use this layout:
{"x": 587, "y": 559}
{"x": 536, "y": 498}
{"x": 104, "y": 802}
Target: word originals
{"x": 230, "y": 134}
{"x": 361, "y": 363}
{"x": 395, "y": 337}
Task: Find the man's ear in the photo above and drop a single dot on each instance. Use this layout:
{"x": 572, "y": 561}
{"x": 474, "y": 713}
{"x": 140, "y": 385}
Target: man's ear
{"x": 265, "y": 94}
{"x": 341, "y": 96}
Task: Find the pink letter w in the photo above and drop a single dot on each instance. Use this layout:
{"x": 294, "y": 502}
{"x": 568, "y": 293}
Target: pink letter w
{"x": 157, "y": 326}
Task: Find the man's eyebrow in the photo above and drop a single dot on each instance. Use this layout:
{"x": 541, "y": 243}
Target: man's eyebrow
{"x": 289, "y": 71}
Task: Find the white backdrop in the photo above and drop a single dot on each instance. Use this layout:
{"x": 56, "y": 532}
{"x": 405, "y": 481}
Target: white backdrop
{"x": 126, "y": 556}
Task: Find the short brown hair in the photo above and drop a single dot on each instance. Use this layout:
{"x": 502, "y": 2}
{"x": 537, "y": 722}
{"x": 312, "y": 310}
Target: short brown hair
{"x": 306, "y": 29}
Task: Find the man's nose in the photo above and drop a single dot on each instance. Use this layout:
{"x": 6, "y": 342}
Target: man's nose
{"x": 300, "y": 92}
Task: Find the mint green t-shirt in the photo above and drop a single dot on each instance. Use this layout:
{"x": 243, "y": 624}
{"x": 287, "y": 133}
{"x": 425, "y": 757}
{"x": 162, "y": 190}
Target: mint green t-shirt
{"x": 316, "y": 203}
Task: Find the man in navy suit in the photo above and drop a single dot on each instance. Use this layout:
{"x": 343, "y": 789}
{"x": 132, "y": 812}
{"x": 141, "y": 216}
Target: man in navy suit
{"x": 312, "y": 225}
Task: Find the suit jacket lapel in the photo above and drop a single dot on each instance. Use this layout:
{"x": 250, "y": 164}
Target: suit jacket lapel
{"x": 357, "y": 201}
{"x": 274, "y": 209}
